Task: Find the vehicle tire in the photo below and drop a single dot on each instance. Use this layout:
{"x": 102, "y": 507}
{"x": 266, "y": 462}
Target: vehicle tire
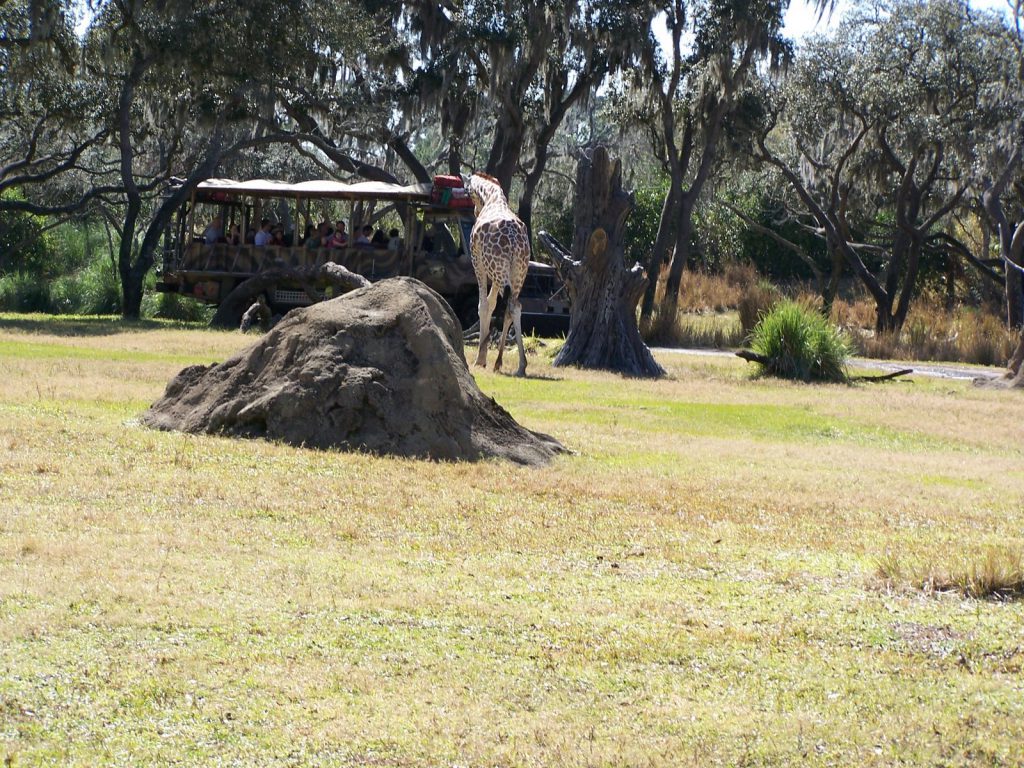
{"x": 467, "y": 309}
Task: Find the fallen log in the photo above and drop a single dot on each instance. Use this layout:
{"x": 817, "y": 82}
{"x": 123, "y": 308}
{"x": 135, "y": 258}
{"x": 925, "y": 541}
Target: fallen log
{"x": 885, "y": 376}
{"x": 753, "y": 357}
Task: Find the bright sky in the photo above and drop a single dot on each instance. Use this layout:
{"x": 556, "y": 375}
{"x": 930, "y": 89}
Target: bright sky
{"x": 802, "y": 20}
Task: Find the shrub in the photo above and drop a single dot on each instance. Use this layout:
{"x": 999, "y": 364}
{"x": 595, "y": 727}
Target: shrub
{"x": 757, "y": 300}
{"x": 800, "y": 344}
{"x": 25, "y": 246}
{"x": 23, "y": 292}
{"x": 172, "y": 306}
{"x": 99, "y": 289}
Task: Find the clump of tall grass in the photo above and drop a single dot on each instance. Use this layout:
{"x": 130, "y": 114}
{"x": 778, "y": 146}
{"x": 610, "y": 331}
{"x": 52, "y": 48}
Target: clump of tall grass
{"x": 757, "y": 300}
{"x": 996, "y": 572}
{"x": 706, "y": 308}
{"x": 799, "y": 343}
{"x": 966, "y": 336}
{"x": 702, "y": 291}
{"x": 172, "y": 306}
{"x": 706, "y": 331}
{"x": 93, "y": 289}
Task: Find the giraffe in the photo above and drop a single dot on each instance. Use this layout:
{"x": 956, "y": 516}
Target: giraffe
{"x": 500, "y": 249}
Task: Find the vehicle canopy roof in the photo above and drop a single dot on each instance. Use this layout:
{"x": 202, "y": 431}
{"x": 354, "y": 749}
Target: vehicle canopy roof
{"x": 218, "y": 189}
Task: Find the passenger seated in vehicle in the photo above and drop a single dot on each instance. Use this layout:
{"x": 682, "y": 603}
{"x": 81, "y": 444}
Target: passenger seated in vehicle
{"x": 264, "y": 236}
{"x": 340, "y": 238}
{"x": 394, "y": 241}
{"x": 363, "y": 240}
{"x": 277, "y": 236}
{"x": 379, "y": 239}
{"x": 214, "y": 232}
{"x": 235, "y": 235}
{"x": 307, "y": 236}
{"x": 320, "y": 237}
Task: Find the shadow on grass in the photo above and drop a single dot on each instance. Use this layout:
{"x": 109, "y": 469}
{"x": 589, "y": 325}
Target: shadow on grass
{"x": 531, "y": 376}
{"x": 79, "y": 325}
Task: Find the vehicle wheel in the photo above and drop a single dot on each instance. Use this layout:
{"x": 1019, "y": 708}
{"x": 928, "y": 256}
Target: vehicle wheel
{"x": 467, "y": 310}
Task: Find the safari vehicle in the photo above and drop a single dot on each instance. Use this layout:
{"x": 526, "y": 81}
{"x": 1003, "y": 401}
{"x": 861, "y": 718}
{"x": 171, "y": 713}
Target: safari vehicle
{"x": 202, "y": 260}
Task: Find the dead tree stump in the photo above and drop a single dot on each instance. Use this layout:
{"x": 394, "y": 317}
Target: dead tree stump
{"x": 1014, "y": 376}
{"x": 604, "y": 294}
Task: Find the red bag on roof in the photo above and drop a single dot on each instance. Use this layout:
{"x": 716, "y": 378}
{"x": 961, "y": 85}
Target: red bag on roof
{"x": 448, "y": 182}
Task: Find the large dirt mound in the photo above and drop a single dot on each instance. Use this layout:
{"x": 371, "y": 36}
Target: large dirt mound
{"x": 380, "y": 369}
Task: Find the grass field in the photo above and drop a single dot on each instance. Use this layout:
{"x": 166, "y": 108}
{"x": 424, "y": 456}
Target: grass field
{"x": 727, "y": 571}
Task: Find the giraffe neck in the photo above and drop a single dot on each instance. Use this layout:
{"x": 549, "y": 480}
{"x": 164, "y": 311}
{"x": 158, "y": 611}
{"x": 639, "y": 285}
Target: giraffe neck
{"x": 494, "y": 197}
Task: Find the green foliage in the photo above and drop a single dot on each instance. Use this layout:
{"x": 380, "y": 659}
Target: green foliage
{"x": 757, "y": 195}
{"x": 22, "y": 292}
{"x": 642, "y": 224}
{"x": 24, "y": 245}
{"x": 800, "y": 344}
{"x": 92, "y": 290}
{"x": 171, "y": 306}
{"x": 74, "y": 244}
{"x": 718, "y": 235}
{"x": 99, "y": 290}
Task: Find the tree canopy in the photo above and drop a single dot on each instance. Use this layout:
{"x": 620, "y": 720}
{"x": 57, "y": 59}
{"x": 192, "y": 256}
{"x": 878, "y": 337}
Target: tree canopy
{"x": 877, "y": 138}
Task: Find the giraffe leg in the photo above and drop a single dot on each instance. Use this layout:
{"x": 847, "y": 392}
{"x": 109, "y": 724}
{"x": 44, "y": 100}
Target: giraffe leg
{"x": 487, "y": 303}
{"x": 517, "y": 319}
{"x": 506, "y": 321}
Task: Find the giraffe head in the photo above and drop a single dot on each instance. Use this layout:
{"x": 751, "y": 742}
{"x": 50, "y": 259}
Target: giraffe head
{"x": 483, "y": 188}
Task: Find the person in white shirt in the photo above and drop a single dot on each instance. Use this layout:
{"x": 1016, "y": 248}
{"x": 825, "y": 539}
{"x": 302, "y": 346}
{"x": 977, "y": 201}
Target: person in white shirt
{"x": 394, "y": 241}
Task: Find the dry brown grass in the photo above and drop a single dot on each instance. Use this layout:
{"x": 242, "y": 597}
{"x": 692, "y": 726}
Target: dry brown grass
{"x": 705, "y": 292}
{"x": 695, "y": 330}
{"x": 707, "y": 308}
{"x": 996, "y": 572}
{"x": 965, "y": 335}
{"x": 688, "y": 588}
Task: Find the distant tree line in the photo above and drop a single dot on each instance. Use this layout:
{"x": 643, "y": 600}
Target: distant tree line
{"x": 886, "y": 150}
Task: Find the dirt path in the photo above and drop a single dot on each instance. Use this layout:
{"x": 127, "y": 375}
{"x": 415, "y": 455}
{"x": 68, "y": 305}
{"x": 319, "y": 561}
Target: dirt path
{"x": 937, "y": 370}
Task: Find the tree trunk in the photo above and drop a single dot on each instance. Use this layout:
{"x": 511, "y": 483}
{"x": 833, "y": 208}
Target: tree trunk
{"x": 666, "y": 224}
{"x": 1015, "y": 368}
{"x": 684, "y": 231}
{"x": 603, "y": 331}
{"x": 831, "y": 289}
{"x": 509, "y": 135}
{"x": 1014, "y": 257}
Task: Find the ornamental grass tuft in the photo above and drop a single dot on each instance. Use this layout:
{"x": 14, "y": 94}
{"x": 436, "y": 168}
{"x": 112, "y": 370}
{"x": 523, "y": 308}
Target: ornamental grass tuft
{"x": 800, "y": 344}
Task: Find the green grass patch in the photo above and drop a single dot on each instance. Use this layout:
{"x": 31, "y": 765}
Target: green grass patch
{"x": 33, "y": 350}
{"x": 90, "y": 325}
